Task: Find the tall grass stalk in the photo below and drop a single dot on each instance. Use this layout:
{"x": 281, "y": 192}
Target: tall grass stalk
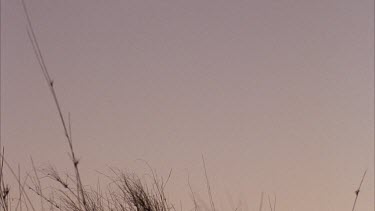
{"x": 39, "y": 56}
{"x": 358, "y": 190}
{"x": 208, "y": 186}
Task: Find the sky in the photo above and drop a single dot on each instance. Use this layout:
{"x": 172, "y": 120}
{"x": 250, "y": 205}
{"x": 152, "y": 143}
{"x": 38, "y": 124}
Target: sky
{"x": 278, "y": 96}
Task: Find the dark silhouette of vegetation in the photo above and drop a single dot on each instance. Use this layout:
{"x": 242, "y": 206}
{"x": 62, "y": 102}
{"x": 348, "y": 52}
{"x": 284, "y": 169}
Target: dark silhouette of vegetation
{"x": 125, "y": 192}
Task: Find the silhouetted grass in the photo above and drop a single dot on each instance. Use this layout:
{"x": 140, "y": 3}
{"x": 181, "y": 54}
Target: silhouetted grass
{"x": 125, "y": 191}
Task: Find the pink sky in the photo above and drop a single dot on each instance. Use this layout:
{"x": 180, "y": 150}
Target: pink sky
{"x": 277, "y": 95}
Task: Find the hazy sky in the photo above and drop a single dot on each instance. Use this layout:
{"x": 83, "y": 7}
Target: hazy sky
{"x": 277, "y": 95}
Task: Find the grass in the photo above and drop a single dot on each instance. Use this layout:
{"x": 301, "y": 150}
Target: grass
{"x": 125, "y": 191}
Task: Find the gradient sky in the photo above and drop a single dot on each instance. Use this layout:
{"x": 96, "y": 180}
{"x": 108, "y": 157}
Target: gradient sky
{"x": 277, "y": 95}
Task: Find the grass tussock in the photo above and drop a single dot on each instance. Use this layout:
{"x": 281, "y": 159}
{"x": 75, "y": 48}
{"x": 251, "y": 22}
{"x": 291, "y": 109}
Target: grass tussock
{"x": 124, "y": 192}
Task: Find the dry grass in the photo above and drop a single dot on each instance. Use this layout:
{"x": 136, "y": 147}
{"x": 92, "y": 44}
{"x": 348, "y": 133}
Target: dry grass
{"x": 124, "y": 192}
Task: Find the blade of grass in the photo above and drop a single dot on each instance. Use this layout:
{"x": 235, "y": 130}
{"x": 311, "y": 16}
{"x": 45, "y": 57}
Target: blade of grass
{"x": 18, "y": 181}
{"x": 208, "y": 186}
{"x": 38, "y": 184}
{"x": 358, "y": 190}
